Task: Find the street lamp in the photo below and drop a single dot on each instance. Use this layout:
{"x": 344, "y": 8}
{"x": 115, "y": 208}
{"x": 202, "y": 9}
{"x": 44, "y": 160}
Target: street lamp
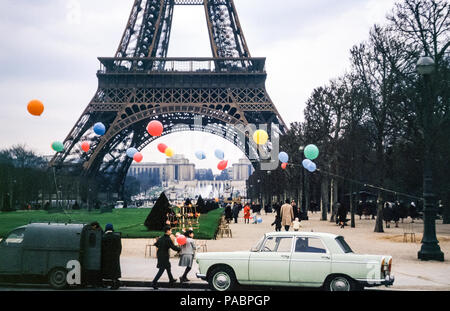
{"x": 430, "y": 249}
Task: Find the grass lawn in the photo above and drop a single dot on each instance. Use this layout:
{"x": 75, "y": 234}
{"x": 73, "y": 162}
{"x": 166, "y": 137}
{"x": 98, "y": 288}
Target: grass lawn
{"x": 130, "y": 222}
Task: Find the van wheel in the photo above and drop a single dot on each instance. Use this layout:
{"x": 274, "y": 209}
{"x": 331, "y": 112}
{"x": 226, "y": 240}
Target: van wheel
{"x": 222, "y": 278}
{"x": 339, "y": 283}
{"x": 57, "y": 278}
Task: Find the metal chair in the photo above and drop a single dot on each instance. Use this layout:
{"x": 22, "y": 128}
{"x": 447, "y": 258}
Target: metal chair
{"x": 148, "y": 247}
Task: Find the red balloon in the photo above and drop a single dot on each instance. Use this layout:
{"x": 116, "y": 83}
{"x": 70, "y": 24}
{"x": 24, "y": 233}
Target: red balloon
{"x": 181, "y": 239}
{"x": 138, "y": 157}
{"x": 162, "y": 148}
{"x": 283, "y": 166}
{"x": 85, "y": 146}
{"x": 155, "y": 128}
{"x": 222, "y": 165}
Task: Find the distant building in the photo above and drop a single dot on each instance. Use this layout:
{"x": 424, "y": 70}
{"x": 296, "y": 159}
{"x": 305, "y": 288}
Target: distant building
{"x": 176, "y": 168}
{"x": 242, "y": 170}
{"x": 183, "y": 179}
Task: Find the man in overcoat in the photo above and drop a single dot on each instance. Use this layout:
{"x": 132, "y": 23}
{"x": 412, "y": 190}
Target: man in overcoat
{"x": 111, "y": 249}
{"x": 287, "y": 215}
{"x": 164, "y": 244}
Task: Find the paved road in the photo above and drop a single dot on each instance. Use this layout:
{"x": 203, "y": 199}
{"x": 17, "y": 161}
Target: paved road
{"x": 145, "y": 286}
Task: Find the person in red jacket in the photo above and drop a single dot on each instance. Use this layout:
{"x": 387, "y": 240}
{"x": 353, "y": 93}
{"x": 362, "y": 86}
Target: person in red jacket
{"x": 247, "y": 214}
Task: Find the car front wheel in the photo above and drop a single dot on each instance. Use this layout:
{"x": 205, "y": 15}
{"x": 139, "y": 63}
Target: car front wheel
{"x": 222, "y": 279}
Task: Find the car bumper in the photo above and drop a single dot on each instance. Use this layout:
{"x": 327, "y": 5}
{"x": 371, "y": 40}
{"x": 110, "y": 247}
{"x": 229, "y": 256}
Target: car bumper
{"x": 387, "y": 281}
{"x": 201, "y": 276}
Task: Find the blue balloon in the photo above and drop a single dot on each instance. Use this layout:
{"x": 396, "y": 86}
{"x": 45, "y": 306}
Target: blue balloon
{"x": 259, "y": 220}
{"x": 219, "y": 154}
{"x": 283, "y": 157}
{"x": 311, "y": 167}
{"x": 131, "y": 152}
{"x": 200, "y": 155}
{"x": 306, "y": 163}
{"x": 99, "y": 128}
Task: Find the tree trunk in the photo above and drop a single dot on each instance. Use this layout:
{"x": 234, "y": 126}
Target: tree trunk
{"x": 379, "y": 220}
{"x": 307, "y": 190}
{"x": 352, "y": 208}
{"x": 324, "y": 201}
{"x": 334, "y": 199}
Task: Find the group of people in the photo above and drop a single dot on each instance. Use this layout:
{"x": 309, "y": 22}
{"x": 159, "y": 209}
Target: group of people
{"x": 112, "y": 248}
{"x": 167, "y": 242}
{"x": 287, "y": 215}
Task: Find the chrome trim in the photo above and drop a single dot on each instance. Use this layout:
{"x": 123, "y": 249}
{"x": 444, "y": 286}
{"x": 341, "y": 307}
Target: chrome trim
{"x": 201, "y": 276}
{"x": 387, "y": 281}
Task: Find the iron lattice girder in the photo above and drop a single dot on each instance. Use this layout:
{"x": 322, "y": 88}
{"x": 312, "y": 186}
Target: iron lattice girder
{"x": 149, "y": 25}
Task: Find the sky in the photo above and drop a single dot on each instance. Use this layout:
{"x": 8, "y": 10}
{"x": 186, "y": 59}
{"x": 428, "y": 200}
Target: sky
{"x": 49, "y": 51}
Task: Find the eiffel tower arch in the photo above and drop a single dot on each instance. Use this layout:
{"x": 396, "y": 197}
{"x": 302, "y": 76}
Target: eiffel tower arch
{"x": 224, "y": 95}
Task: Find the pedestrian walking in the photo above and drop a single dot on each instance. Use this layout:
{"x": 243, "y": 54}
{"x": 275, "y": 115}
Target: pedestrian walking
{"x": 187, "y": 255}
{"x": 287, "y": 215}
{"x": 110, "y": 258}
{"x": 163, "y": 245}
{"x": 235, "y": 210}
{"x": 228, "y": 213}
{"x": 296, "y": 224}
{"x": 341, "y": 214}
{"x": 247, "y": 214}
{"x": 277, "y": 222}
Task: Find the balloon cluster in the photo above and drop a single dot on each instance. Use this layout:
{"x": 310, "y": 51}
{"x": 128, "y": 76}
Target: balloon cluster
{"x": 311, "y": 152}
{"x": 166, "y": 150}
{"x": 219, "y": 155}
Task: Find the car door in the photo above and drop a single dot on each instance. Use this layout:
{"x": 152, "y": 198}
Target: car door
{"x": 310, "y": 261}
{"x": 11, "y": 252}
{"x": 271, "y": 263}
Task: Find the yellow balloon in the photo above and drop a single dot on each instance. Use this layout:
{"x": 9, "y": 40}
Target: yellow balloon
{"x": 169, "y": 152}
{"x": 260, "y": 137}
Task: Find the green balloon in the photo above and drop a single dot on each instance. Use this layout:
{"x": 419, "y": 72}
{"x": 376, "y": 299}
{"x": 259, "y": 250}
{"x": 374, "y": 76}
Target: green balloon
{"x": 58, "y": 146}
{"x": 311, "y": 152}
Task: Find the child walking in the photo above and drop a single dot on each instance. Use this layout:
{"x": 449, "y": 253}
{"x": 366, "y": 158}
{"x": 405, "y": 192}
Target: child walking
{"x": 187, "y": 255}
{"x": 277, "y": 223}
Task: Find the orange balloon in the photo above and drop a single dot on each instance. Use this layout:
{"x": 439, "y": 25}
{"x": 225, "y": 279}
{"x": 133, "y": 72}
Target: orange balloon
{"x": 283, "y": 166}
{"x": 35, "y": 107}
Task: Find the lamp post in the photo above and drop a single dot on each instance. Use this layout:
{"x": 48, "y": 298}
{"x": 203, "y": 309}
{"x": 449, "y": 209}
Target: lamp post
{"x": 430, "y": 249}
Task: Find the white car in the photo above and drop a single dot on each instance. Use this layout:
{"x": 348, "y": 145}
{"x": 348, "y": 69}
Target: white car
{"x": 307, "y": 259}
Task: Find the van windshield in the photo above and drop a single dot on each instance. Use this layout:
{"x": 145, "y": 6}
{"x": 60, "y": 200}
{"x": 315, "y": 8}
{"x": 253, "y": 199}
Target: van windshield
{"x": 15, "y": 237}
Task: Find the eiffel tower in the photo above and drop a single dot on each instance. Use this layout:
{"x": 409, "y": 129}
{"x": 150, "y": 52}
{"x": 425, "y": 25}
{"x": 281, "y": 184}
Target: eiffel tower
{"x": 222, "y": 95}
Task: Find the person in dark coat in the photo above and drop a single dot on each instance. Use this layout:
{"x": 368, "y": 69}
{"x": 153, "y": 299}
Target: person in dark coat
{"x": 235, "y": 211}
{"x": 164, "y": 244}
{"x": 277, "y": 222}
{"x": 111, "y": 249}
{"x": 228, "y": 213}
{"x": 388, "y": 214}
{"x": 341, "y": 214}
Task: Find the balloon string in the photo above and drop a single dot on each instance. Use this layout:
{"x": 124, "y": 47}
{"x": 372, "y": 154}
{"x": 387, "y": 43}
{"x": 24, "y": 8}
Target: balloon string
{"x": 361, "y": 183}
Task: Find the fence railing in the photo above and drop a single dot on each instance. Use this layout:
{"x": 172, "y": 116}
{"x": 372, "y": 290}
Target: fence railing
{"x": 182, "y": 65}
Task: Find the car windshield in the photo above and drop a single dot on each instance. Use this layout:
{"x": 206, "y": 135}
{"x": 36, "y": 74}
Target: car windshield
{"x": 344, "y": 246}
{"x": 258, "y": 245}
